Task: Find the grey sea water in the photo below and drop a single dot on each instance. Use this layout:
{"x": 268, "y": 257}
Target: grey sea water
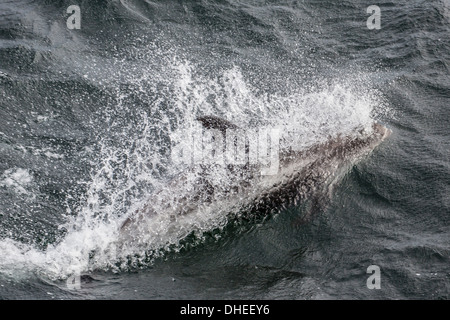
{"x": 86, "y": 117}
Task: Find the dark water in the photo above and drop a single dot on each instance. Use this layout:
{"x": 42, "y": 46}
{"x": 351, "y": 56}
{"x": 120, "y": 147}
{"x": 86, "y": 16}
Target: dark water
{"x": 85, "y": 117}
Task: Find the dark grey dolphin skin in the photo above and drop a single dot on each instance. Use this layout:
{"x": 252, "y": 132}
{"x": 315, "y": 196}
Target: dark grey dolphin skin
{"x": 303, "y": 175}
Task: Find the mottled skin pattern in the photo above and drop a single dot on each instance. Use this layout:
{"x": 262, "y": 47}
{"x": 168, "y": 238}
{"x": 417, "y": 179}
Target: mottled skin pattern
{"x": 302, "y": 175}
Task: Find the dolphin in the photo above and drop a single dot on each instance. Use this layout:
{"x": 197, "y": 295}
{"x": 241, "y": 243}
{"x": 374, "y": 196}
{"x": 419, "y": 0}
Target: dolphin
{"x": 302, "y": 175}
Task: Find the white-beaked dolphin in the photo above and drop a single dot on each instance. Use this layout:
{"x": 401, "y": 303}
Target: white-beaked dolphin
{"x": 302, "y": 175}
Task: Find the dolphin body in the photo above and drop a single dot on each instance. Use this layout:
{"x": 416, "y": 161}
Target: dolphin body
{"x": 306, "y": 175}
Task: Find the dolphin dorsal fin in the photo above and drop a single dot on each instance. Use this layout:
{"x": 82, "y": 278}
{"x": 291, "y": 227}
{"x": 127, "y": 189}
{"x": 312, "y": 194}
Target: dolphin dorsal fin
{"x": 213, "y": 122}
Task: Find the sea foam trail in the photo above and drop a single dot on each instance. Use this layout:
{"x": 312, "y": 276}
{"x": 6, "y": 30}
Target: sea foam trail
{"x": 128, "y": 171}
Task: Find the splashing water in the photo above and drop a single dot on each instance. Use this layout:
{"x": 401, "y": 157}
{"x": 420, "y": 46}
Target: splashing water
{"x": 134, "y": 160}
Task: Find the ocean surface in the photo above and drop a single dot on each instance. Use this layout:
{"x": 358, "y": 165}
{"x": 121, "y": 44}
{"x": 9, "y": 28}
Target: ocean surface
{"x": 86, "y": 120}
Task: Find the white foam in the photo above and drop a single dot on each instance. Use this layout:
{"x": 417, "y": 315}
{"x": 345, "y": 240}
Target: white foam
{"x": 17, "y": 179}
